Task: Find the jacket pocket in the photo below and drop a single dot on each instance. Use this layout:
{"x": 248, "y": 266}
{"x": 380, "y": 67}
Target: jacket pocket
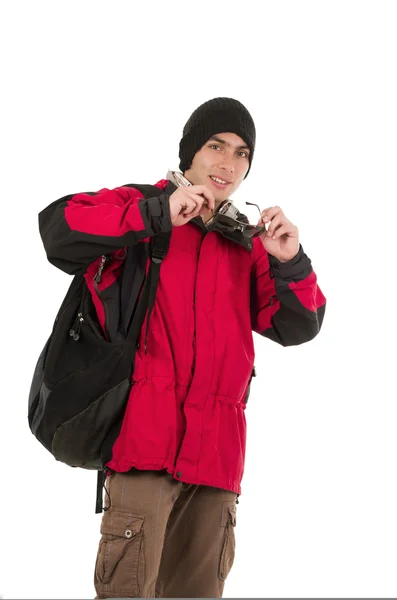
{"x": 120, "y": 561}
{"x": 229, "y": 542}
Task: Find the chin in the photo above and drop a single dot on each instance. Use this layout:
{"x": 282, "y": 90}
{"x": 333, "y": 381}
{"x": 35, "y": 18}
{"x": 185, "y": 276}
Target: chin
{"x": 224, "y": 195}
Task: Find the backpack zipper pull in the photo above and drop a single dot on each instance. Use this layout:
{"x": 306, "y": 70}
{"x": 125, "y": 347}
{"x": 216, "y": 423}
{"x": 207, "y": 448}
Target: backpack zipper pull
{"x": 75, "y": 331}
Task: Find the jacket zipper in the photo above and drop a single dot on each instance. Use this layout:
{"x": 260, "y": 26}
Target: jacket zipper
{"x": 97, "y": 279}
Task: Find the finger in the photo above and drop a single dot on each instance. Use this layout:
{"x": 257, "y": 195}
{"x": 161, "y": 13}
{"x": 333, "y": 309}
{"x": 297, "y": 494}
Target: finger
{"x": 198, "y": 198}
{"x": 270, "y": 212}
{"x": 204, "y": 209}
{"x": 286, "y": 229}
{"x": 276, "y": 221}
{"x": 197, "y": 211}
{"x": 191, "y": 207}
{"x": 204, "y": 191}
{"x": 194, "y": 207}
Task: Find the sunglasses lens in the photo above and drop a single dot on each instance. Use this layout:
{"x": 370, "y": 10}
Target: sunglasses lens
{"x": 253, "y": 231}
{"x": 248, "y": 230}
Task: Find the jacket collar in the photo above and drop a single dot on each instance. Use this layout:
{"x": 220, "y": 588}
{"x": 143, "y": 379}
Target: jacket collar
{"x": 235, "y": 236}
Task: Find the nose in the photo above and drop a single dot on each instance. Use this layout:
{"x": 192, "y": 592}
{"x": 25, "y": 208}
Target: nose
{"x": 226, "y": 165}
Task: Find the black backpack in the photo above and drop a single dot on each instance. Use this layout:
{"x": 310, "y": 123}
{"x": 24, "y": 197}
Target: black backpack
{"x": 82, "y": 381}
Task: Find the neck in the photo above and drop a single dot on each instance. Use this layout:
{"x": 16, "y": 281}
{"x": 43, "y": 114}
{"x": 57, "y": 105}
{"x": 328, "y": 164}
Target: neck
{"x": 206, "y": 216}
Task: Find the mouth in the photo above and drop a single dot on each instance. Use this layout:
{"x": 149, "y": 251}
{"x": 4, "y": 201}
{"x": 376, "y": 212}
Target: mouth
{"x": 218, "y": 182}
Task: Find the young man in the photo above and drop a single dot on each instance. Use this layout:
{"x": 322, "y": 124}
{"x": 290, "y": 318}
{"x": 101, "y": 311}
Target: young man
{"x": 176, "y": 467}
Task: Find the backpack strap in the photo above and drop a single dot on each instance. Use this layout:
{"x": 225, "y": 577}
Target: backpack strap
{"x": 158, "y": 248}
{"x": 100, "y": 483}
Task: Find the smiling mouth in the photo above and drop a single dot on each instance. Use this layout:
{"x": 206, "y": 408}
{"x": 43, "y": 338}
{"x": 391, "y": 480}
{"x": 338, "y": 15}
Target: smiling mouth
{"x": 219, "y": 181}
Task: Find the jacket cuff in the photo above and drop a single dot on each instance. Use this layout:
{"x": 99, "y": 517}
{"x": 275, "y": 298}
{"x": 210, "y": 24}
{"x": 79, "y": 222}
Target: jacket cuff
{"x": 156, "y": 212}
{"x": 296, "y": 269}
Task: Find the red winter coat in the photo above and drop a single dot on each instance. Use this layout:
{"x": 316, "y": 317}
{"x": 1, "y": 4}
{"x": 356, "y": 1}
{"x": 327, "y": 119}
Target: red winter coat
{"x": 186, "y": 410}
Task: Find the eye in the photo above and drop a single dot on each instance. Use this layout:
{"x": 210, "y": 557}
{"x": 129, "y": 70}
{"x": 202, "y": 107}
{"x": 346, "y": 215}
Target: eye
{"x": 214, "y": 146}
{"x": 243, "y": 152}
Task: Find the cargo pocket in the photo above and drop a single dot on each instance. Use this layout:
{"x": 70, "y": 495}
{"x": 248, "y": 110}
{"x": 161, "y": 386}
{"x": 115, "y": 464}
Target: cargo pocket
{"x": 120, "y": 564}
{"x": 229, "y": 543}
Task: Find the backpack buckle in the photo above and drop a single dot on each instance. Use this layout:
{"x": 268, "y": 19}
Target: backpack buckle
{"x": 157, "y": 255}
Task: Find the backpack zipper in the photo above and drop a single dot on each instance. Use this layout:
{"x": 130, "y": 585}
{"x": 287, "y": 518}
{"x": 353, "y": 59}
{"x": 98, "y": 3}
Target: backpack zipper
{"x": 74, "y": 332}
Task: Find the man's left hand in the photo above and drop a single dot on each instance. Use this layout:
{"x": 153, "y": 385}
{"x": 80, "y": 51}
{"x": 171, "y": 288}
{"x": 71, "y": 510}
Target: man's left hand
{"x": 281, "y": 239}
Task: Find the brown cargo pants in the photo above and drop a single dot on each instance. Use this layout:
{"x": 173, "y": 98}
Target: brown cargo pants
{"x": 164, "y": 538}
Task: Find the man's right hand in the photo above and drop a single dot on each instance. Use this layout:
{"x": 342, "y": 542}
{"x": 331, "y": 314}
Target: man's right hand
{"x": 188, "y": 202}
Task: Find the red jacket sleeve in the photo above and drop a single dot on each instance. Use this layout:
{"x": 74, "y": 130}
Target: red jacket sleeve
{"x": 287, "y": 305}
{"x": 78, "y": 228}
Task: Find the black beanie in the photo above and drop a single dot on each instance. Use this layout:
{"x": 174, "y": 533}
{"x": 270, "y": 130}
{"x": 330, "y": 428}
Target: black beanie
{"x": 219, "y": 115}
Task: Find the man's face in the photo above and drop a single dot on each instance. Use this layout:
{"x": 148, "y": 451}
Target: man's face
{"x": 225, "y": 157}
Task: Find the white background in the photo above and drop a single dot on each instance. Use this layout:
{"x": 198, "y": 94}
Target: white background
{"x": 95, "y": 95}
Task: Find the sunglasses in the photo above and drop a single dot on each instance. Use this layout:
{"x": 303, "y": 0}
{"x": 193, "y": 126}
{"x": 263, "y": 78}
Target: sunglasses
{"x": 226, "y": 220}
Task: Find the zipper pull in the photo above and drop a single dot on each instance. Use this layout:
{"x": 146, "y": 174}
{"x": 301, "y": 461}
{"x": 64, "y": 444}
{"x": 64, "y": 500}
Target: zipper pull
{"x": 98, "y": 274}
{"x": 79, "y": 324}
{"x": 74, "y": 327}
{"x": 75, "y": 331}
